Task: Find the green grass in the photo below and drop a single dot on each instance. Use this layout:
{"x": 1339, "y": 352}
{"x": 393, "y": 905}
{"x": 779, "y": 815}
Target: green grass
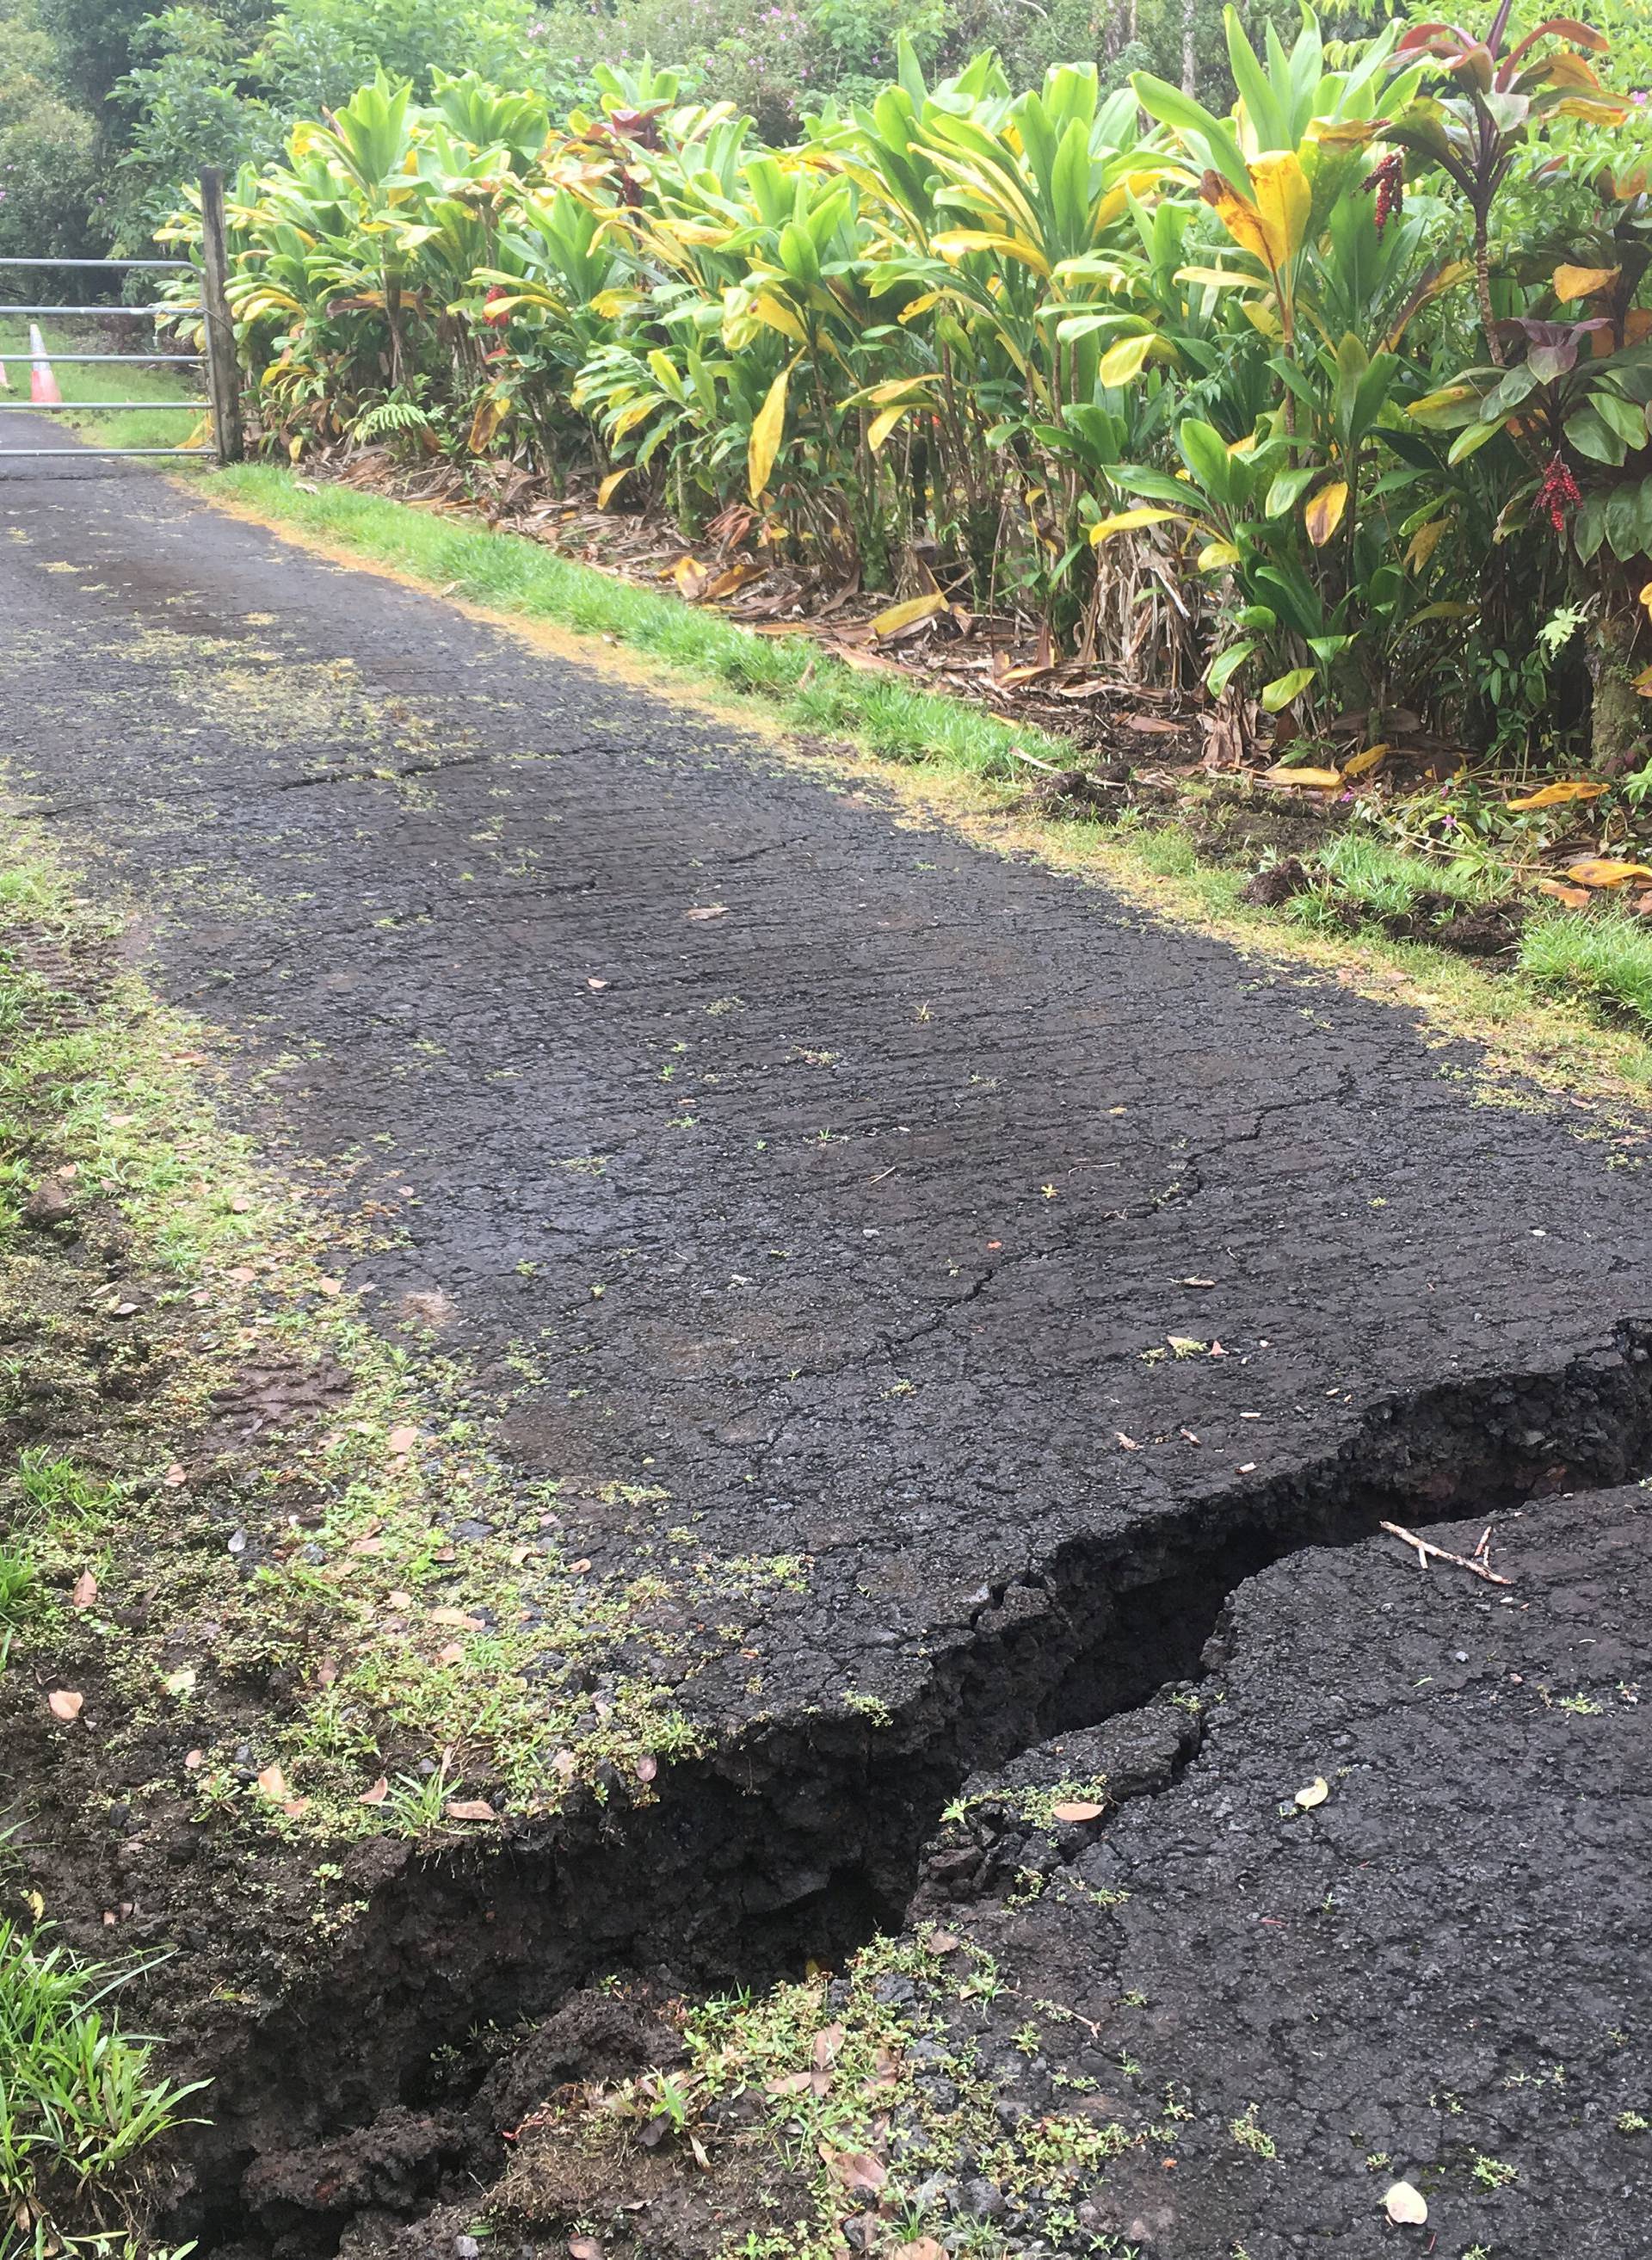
{"x": 79, "y": 2103}
{"x": 132, "y": 427}
{"x": 1354, "y": 872}
{"x": 802, "y": 685}
{"x": 1605, "y": 957}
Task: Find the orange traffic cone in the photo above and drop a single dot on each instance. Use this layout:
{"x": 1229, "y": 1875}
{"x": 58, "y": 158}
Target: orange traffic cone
{"x": 42, "y": 384}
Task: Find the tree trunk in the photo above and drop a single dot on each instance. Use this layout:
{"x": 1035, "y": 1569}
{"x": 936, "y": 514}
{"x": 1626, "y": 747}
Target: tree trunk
{"x": 1190, "y": 47}
{"x": 1618, "y": 715}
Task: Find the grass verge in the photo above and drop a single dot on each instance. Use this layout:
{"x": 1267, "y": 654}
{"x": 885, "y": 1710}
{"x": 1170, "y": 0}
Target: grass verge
{"x": 80, "y": 2107}
{"x": 366, "y": 1621}
{"x": 1556, "y": 1022}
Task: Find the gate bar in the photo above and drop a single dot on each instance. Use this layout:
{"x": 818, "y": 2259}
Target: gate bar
{"x": 57, "y": 407}
{"x": 10, "y": 262}
{"x": 66, "y": 455}
{"x": 72, "y": 360}
{"x": 141, "y": 313}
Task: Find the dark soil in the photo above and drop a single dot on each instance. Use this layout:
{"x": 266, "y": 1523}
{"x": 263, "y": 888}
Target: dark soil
{"x": 1034, "y": 1274}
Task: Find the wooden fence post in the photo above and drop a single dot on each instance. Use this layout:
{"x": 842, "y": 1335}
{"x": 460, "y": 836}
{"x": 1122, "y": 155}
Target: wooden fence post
{"x": 222, "y": 374}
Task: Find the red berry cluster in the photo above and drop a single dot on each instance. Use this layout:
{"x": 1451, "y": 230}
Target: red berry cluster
{"x": 1389, "y": 181}
{"x": 1557, "y": 495}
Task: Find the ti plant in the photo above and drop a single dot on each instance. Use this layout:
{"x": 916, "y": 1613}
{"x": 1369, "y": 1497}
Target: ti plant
{"x": 1489, "y": 101}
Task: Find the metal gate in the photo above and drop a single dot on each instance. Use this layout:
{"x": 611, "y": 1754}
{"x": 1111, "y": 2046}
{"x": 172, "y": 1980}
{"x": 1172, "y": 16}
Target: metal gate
{"x": 218, "y": 362}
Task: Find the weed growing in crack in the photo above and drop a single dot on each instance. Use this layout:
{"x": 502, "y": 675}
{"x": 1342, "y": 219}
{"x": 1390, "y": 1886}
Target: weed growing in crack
{"x": 1251, "y": 2136}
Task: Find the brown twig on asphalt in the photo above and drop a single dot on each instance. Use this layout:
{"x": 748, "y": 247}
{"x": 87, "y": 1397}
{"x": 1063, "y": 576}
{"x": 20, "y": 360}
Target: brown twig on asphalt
{"x": 1425, "y": 1550}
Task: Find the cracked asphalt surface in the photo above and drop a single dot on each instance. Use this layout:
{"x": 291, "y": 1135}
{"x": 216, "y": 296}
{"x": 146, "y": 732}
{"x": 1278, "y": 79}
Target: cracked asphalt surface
{"x": 842, "y": 1182}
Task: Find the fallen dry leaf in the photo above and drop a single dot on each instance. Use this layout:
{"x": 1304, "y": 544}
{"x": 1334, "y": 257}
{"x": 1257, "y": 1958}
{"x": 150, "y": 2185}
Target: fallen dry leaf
{"x": 856, "y": 2172}
{"x": 584, "y": 2248}
{"x": 469, "y": 1808}
{"x": 273, "y": 1783}
{"x": 827, "y": 2042}
{"x": 943, "y": 1942}
{"x": 84, "y": 1592}
{"x": 921, "y": 2248}
{"x": 1575, "y": 899}
{"x": 193, "y": 1761}
{"x": 63, "y": 1703}
{"x": 377, "y": 1794}
{"x": 648, "y": 1767}
{"x": 1306, "y": 779}
{"x": 174, "y": 1476}
{"x": 454, "y": 1653}
{"x": 1078, "y": 1808}
{"x": 1553, "y": 796}
{"x": 181, "y": 1681}
{"x": 703, "y": 910}
{"x": 1606, "y": 871}
{"x": 1404, "y": 2205}
{"x": 898, "y": 617}
{"x": 1316, "y": 1792}
{"x": 457, "y": 1617}
{"x": 401, "y": 1440}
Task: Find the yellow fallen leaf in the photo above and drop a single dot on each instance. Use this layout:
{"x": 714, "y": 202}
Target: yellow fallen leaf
{"x": 610, "y": 486}
{"x": 1606, "y": 871}
{"x": 691, "y": 577}
{"x": 1316, "y": 1792}
{"x": 1310, "y": 780}
{"x": 1551, "y": 796}
{"x": 1362, "y": 764}
{"x": 908, "y": 614}
{"x": 1404, "y": 2205}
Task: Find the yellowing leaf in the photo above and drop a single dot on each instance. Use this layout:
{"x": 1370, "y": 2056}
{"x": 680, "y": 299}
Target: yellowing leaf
{"x": 959, "y": 242}
{"x": 779, "y": 316}
{"x": 1123, "y": 362}
{"x": 1216, "y": 554}
{"x": 1237, "y": 214}
{"x": 1551, "y": 796}
{"x": 610, "y": 486}
{"x": 1324, "y": 514}
{"x": 908, "y": 614}
{"x": 1424, "y": 543}
{"x": 765, "y": 436}
{"x": 1362, "y": 764}
{"x": 1316, "y": 1792}
{"x": 1310, "y": 780}
{"x": 1582, "y": 282}
{"x": 1643, "y": 682}
{"x": 1122, "y": 521}
{"x": 1284, "y": 690}
{"x": 1404, "y": 2206}
{"x": 885, "y": 421}
{"x": 1606, "y": 871}
{"x": 491, "y": 413}
{"x": 1284, "y": 198}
